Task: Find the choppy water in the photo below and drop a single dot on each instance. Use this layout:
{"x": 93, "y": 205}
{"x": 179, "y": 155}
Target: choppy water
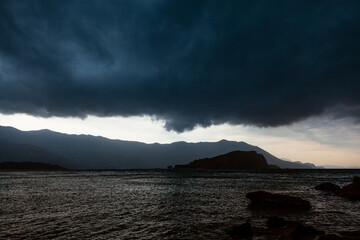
{"x": 159, "y": 204}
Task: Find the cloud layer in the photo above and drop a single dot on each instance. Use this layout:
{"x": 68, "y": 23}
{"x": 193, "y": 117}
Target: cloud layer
{"x": 264, "y": 63}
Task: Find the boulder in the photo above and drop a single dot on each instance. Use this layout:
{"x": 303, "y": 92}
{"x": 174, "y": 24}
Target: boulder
{"x": 356, "y": 180}
{"x": 271, "y": 200}
{"x": 331, "y": 236}
{"x": 350, "y": 235}
{"x": 302, "y": 232}
{"x": 344, "y": 235}
{"x": 243, "y": 231}
{"x": 351, "y": 191}
{"x": 279, "y": 228}
{"x": 276, "y": 222}
{"x": 328, "y": 186}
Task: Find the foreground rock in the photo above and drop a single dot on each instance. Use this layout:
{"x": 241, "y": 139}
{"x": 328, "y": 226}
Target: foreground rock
{"x": 328, "y": 187}
{"x": 341, "y": 236}
{"x": 279, "y": 228}
{"x": 286, "y": 230}
{"x": 271, "y": 200}
{"x": 351, "y": 191}
{"x": 241, "y": 231}
{"x": 331, "y": 236}
{"x": 276, "y": 222}
{"x": 350, "y": 235}
{"x": 232, "y": 160}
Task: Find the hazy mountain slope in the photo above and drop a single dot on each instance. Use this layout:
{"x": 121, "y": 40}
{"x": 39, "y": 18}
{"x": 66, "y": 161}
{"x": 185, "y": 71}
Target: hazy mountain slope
{"x": 30, "y": 166}
{"x": 11, "y": 152}
{"x": 90, "y": 152}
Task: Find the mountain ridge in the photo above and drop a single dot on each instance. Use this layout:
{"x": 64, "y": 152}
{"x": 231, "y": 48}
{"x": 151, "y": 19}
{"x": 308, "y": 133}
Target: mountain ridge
{"x": 19, "y": 152}
{"x": 97, "y": 152}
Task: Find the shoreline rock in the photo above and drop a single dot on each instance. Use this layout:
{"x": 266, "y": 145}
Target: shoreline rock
{"x": 279, "y": 228}
{"x": 271, "y": 200}
{"x": 243, "y": 230}
{"x": 327, "y": 187}
{"x": 351, "y": 191}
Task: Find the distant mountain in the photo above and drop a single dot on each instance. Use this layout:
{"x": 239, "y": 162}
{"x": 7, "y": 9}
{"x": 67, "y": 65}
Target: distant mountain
{"x": 30, "y": 166}
{"x": 18, "y": 152}
{"x": 90, "y": 152}
{"x": 232, "y": 160}
{"x": 337, "y": 167}
{"x": 308, "y": 164}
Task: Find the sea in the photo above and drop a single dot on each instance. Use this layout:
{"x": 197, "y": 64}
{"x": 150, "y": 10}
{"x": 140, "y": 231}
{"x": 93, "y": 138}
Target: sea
{"x": 161, "y": 204}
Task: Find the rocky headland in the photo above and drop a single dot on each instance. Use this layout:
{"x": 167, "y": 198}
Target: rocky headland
{"x": 232, "y": 160}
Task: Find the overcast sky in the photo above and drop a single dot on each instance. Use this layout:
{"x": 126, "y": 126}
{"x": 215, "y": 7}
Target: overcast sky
{"x": 282, "y": 75}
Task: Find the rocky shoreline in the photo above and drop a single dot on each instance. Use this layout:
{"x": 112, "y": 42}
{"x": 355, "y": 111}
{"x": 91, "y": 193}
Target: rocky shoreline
{"x": 280, "y": 228}
{"x": 350, "y": 191}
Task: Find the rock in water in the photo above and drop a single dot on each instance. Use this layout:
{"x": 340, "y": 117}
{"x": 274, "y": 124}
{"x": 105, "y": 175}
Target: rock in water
{"x": 331, "y": 236}
{"x": 350, "y": 235}
{"x": 279, "y": 228}
{"x": 266, "y": 199}
{"x": 276, "y": 222}
{"x": 351, "y": 191}
{"x": 356, "y": 180}
{"x": 302, "y": 232}
{"x": 243, "y": 231}
{"x": 328, "y": 186}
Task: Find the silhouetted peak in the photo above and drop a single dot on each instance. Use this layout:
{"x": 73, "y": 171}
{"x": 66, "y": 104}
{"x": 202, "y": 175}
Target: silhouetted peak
{"x": 231, "y": 160}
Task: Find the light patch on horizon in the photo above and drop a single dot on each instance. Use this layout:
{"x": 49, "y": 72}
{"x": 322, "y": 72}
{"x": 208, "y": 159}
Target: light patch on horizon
{"x": 321, "y": 141}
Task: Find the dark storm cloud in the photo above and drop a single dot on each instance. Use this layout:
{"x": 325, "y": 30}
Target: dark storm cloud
{"x": 265, "y": 63}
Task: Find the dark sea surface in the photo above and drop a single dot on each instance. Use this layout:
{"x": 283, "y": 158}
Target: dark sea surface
{"x": 160, "y": 204}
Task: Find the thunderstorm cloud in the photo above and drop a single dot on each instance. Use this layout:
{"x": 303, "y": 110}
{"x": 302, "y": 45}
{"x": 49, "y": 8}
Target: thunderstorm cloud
{"x": 190, "y": 63}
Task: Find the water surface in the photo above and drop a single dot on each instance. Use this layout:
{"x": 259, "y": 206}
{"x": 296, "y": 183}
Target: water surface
{"x": 160, "y": 204}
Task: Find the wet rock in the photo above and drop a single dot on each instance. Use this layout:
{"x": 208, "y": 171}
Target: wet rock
{"x": 276, "y": 222}
{"x": 356, "y": 180}
{"x": 331, "y": 236}
{"x": 279, "y": 228}
{"x": 305, "y": 232}
{"x": 328, "y": 186}
{"x": 351, "y": 191}
{"x": 350, "y": 235}
{"x": 344, "y": 235}
{"x": 271, "y": 200}
{"x": 241, "y": 231}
